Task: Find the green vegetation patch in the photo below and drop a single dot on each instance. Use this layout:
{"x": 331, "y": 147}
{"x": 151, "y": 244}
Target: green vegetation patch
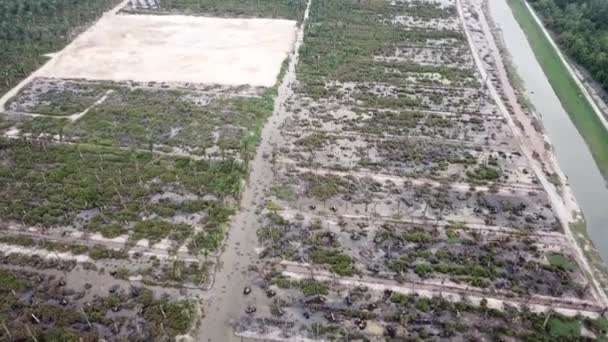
{"x": 561, "y": 262}
{"x": 52, "y": 184}
{"x": 483, "y": 173}
{"x": 566, "y": 329}
{"x": 10, "y": 282}
{"x": 338, "y": 262}
{"x": 311, "y": 287}
{"x": 343, "y": 38}
{"x": 285, "y": 9}
{"x": 324, "y": 187}
{"x": 156, "y": 230}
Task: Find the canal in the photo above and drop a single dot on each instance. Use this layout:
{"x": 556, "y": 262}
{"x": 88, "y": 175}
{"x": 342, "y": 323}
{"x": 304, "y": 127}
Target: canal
{"x": 572, "y": 153}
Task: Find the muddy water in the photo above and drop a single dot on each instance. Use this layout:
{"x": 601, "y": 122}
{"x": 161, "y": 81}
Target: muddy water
{"x": 226, "y": 302}
{"x": 572, "y": 153}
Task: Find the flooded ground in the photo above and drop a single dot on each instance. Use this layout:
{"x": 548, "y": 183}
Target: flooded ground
{"x": 572, "y": 153}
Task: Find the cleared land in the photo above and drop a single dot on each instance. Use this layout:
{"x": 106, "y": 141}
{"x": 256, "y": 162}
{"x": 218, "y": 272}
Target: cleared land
{"x": 392, "y": 195}
{"x": 170, "y": 49}
{"x": 403, "y": 205}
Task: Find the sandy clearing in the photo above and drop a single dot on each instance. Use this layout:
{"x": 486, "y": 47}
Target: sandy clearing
{"x": 175, "y": 48}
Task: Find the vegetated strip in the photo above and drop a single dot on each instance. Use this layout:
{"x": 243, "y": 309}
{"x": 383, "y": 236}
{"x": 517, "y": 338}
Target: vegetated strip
{"x": 303, "y": 270}
{"x": 569, "y": 93}
{"x": 277, "y": 9}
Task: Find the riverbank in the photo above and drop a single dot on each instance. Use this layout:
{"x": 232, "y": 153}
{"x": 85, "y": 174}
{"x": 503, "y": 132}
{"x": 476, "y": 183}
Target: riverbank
{"x": 571, "y": 95}
{"x": 573, "y": 155}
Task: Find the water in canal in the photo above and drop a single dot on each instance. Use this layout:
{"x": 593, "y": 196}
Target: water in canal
{"x": 572, "y": 153}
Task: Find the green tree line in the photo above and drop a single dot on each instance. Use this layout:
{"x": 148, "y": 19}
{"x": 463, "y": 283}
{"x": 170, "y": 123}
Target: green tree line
{"x": 29, "y": 29}
{"x": 581, "y": 28}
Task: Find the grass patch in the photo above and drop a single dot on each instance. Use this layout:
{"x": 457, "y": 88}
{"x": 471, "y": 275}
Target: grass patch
{"x": 311, "y": 287}
{"x": 324, "y": 187}
{"x": 561, "y": 262}
{"x": 483, "y": 173}
{"x": 565, "y": 329}
{"x": 569, "y": 93}
{"x": 339, "y": 263}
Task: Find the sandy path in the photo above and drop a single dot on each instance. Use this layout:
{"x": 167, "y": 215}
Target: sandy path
{"x": 564, "y": 205}
{"x": 160, "y": 253}
{"x": 226, "y": 301}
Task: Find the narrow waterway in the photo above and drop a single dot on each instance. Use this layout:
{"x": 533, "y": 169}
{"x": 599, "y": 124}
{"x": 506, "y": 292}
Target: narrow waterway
{"x": 572, "y": 153}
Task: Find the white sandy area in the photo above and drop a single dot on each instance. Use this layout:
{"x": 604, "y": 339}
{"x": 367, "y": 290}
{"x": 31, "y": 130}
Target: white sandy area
{"x": 175, "y": 48}
{"x": 43, "y": 253}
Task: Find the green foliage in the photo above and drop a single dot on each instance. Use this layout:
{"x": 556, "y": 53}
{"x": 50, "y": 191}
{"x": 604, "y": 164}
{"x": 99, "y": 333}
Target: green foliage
{"x": 312, "y": 287}
{"x": 423, "y": 270}
{"x": 269, "y": 233}
{"x": 281, "y": 281}
{"x": 400, "y": 298}
{"x": 287, "y": 9}
{"x": 339, "y": 263}
{"x": 484, "y": 173}
{"x": 564, "y": 329}
{"x": 561, "y": 262}
{"x": 155, "y": 230}
{"x": 50, "y": 184}
{"x": 58, "y": 335}
{"x": 581, "y": 29}
{"x": 326, "y": 186}
{"x": 181, "y": 272}
{"x": 417, "y": 237}
{"x": 173, "y": 316}
{"x": 112, "y": 230}
{"x": 319, "y": 329}
{"x": 100, "y": 252}
{"x": 212, "y": 237}
{"x": 9, "y": 281}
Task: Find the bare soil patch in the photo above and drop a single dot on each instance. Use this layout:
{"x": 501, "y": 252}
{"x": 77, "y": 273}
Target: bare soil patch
{"x": 178, "y": 49}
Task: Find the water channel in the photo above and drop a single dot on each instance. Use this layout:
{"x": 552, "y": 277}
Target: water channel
{"x": 574, "y": 157}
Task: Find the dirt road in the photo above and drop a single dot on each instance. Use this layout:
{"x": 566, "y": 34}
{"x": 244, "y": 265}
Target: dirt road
{"x": 226, "y": 301}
